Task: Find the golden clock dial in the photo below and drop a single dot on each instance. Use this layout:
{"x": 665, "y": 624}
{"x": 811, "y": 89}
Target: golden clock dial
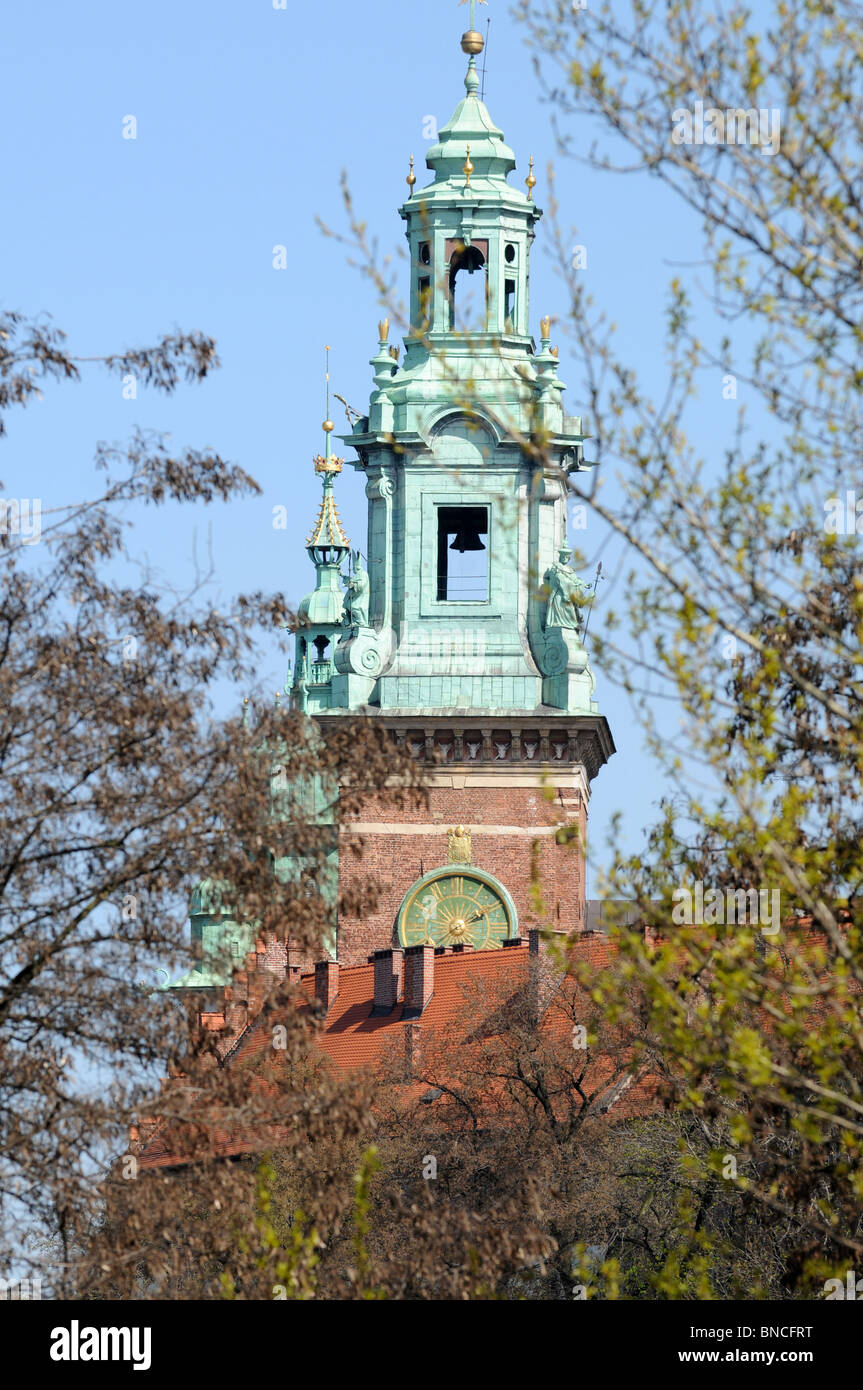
{"x": 453, "y": 908}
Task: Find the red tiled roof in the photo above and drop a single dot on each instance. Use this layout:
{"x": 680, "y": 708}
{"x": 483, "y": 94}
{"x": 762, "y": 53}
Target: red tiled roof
{"x": 352, "y": 1037}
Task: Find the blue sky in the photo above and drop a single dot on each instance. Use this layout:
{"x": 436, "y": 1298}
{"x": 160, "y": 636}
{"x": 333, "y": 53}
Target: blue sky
{"x": 246, "y": 116}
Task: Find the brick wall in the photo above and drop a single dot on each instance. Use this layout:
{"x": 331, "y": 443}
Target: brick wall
{"x": 386, "y": 855}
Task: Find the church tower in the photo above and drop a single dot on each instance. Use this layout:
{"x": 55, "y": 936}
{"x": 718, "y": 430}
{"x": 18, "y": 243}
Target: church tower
{"x": 461, "y": 624}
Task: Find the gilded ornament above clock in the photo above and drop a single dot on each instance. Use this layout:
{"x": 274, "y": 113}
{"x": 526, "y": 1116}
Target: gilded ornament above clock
{"x": 458, "y": 842}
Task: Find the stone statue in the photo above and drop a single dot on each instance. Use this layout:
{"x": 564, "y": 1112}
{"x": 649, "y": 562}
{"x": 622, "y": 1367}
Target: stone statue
{"x": 357, "y": 595}
{"x": 566, "y": 594}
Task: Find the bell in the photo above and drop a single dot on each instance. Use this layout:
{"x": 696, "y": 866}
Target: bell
{"x": 467, "y": 538}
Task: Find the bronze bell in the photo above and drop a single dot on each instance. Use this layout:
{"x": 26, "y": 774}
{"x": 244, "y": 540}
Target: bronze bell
{"x": 467, "y": 538}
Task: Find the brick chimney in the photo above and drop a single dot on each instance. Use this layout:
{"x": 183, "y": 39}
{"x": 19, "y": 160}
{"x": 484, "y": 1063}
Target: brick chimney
{"x": 419, "y": 979}
{"x": 546, "y": 971}
{"x": 326, "y": 981}
{"x": 540, "y": 941}
{"x": 389, "y": 972}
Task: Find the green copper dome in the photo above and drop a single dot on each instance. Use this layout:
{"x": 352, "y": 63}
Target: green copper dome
{"x": 325, "y": 604}
{"x": 470, "y": 124}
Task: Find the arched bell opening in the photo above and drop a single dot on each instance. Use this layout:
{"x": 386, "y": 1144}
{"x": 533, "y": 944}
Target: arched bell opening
{"x": 469, "y": 259}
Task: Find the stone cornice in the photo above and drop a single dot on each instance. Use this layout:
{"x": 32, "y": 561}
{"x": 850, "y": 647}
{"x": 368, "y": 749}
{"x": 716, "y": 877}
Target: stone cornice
{"x": 472, "y": 739}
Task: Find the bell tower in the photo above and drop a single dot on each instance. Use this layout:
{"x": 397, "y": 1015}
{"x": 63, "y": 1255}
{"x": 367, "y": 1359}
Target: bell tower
{"x": 462, "y": 632}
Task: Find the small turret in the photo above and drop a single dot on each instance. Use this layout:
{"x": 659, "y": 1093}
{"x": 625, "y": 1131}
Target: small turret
{"x": 321, "y": 613}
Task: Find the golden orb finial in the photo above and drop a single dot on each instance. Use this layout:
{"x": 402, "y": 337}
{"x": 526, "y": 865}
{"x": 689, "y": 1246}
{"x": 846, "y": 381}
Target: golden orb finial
{"x": 472, "y": 41}
{"x": 411, "y": 178}
{"x": 328, "y": 427}
{"x": 530, "y": 180}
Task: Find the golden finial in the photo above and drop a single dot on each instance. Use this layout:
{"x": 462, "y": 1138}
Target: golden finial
{"x": 530, "y": 181}
{"x": 555, "y": 351}
{"x": 545, "y": 328}
{"x": 467, "y": 168}
{"x": 383, "y": 329}
{"x": 394, "y": 354}
{"x": 411, "y": 178}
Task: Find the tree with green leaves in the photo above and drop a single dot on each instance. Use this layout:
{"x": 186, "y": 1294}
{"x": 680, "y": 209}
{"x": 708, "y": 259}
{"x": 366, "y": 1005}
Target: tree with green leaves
{"x": 740, "y": 566}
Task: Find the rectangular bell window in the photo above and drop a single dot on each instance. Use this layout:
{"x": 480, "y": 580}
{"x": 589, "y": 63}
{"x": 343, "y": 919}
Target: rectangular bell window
{"x": 424, "y": 302}
{"x": 509, "y": 305}
{"x": 462, "y": 554}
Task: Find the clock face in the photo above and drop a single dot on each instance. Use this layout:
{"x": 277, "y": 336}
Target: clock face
{"x": 451, "y": 906}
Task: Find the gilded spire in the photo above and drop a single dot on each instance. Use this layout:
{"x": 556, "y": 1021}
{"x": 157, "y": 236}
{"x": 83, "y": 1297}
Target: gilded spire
{"x": 411, "y": 178}
{"x": 327, "y": 530}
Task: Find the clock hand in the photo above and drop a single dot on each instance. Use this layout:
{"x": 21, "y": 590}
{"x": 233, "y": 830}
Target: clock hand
{"x": 458, "y": 927}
